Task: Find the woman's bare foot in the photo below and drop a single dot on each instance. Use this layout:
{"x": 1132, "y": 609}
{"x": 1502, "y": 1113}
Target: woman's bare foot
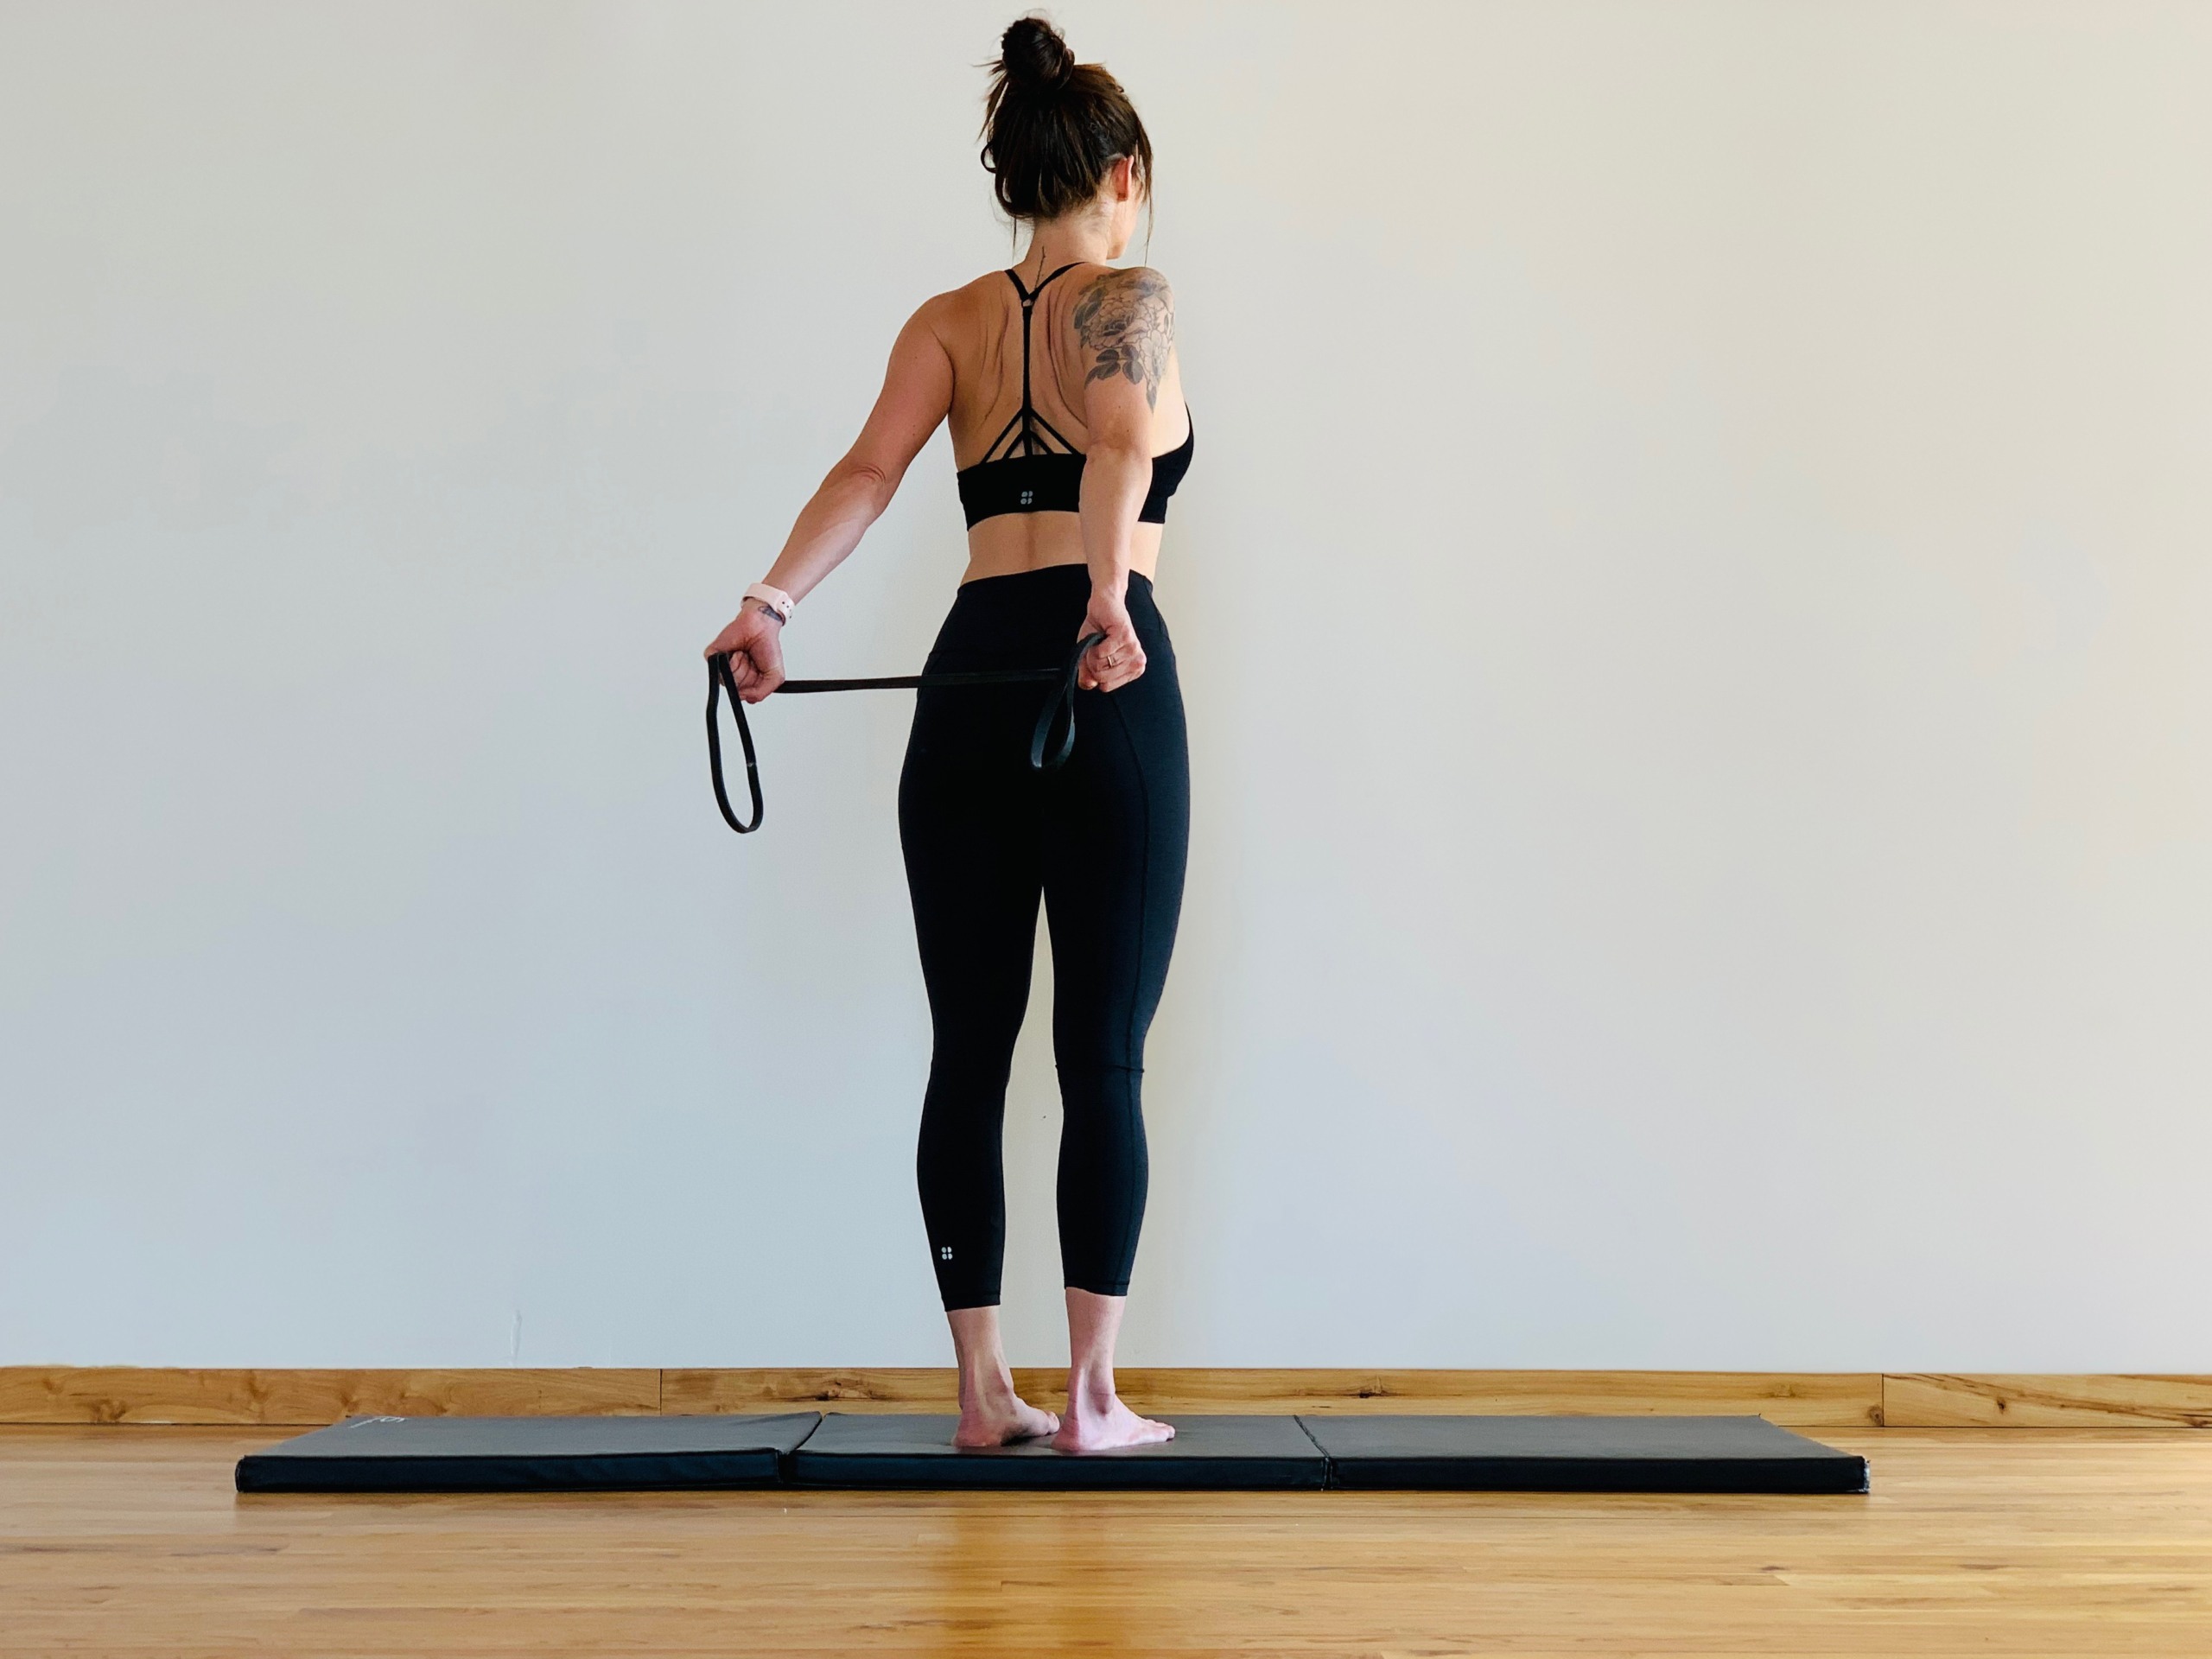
{"x": 1096, "y": 1419}
{"x": 1002, "y": 1422}
{"x": 1093, "y": 1425}
{"x": 991, "y": 1412}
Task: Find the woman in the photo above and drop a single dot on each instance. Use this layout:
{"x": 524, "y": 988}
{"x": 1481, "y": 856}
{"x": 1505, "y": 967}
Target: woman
{"x": 1060, "y": 380}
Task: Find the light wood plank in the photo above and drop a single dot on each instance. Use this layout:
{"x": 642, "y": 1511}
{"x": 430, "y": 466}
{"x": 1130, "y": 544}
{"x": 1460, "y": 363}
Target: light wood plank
{"x": 132, "y": 1545}
{"x": 127, "y": 1394}
{"x": 1996, "y": 1400}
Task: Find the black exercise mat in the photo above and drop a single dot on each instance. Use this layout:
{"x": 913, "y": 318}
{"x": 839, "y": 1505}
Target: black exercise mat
{"x": 512, "y": 1454}
{"x": 1208, "y": 1454}
{"x": 1579, "y": 1454}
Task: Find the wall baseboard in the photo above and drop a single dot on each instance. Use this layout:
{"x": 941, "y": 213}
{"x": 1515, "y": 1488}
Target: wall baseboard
{"x": 1998, "y": 1399}
{"x": 132, "y": 1394}
{"x": 127, "y": 1394}
{"x": 1794, "y": 1398}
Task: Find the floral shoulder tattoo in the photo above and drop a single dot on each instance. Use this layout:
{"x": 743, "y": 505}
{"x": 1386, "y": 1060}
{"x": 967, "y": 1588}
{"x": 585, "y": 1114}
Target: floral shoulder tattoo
{"x": 1126, "y": 319}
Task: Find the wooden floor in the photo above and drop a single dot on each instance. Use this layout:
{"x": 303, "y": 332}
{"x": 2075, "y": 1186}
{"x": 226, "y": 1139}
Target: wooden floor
{"x": 130, "y": 1541}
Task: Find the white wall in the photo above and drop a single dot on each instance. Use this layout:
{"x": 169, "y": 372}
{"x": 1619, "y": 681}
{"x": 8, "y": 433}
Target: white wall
{"x": 1693, "y": 599}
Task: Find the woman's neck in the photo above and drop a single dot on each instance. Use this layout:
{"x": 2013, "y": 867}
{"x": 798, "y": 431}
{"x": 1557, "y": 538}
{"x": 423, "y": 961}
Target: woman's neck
{"x": 1070, "y": 240}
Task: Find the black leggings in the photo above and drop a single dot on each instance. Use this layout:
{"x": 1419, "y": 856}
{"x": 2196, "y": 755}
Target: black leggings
{"x": 1103, "y": 839}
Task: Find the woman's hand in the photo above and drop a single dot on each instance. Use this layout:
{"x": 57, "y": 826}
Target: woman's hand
{"x": 1116, "y": 659}
{"x": 753, "y": 643}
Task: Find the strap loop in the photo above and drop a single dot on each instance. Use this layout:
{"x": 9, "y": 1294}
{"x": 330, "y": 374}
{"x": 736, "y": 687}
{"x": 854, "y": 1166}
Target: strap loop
{"x": 1058, "y": 711}
{"x": 718, "y": 681}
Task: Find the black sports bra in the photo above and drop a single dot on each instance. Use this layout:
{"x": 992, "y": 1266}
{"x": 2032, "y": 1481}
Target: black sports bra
{"x": 1028, "y": 475}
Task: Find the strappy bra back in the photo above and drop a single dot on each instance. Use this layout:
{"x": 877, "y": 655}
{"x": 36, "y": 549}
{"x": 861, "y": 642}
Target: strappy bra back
{"x": 1023, "y": 472}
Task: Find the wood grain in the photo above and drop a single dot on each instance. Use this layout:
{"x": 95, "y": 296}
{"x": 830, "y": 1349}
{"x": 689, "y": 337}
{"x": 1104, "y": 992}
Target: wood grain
{"x": 126, "y": 1393}
{"x": 693, "y": 1393}
{"x": 2017, "y": 1401}
{"x": 131, "y": 1545}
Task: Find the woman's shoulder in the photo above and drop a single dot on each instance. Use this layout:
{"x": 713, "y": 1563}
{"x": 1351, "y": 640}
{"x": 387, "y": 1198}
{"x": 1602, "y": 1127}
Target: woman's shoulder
{"x": 953, "y": 302}
{"x": 953, "y": 315}
{"x": 1123, "y": 320}
{"x": 1113, "y": 295}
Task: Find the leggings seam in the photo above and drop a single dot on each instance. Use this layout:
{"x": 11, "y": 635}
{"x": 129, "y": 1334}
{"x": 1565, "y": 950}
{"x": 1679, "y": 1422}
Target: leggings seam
{"x": 1144, "y": 873}
{"x": 1127, "y": 1251}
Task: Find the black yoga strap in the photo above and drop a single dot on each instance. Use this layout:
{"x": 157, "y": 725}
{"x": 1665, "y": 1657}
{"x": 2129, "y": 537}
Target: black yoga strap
{"x": 1060, "y": 709}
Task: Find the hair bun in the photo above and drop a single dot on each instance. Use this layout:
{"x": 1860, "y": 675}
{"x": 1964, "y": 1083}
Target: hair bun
{"x": 1034, "y": 57}
{"x": 1053, "y": 128}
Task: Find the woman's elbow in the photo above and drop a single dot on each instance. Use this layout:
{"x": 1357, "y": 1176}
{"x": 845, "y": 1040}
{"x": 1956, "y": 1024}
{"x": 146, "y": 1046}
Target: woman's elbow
{"x": 869, "y": 480}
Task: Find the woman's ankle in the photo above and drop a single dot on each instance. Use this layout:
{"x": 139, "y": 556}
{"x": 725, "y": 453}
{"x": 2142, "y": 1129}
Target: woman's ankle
{"x": 988, "y": 1389}
{"x": 986, "y": 1384}
{"x": 1090, "y": 1389}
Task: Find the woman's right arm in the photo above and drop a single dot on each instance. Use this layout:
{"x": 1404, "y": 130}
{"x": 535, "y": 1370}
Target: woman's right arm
{"x": 1125, "y": 321}
{"x": 917, "y": 395}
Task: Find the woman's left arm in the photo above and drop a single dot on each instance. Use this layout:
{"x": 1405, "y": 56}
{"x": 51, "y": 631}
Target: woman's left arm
{"x": 1126, "y": 322}
{"x": 917, "y": 395}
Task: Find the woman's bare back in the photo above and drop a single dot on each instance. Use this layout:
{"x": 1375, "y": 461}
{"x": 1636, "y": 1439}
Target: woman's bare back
{"x": 1094, "y": 322}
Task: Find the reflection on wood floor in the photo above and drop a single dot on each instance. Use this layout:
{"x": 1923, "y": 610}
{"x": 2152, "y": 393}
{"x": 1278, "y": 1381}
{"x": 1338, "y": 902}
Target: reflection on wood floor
{"x": 129, "y": 1541}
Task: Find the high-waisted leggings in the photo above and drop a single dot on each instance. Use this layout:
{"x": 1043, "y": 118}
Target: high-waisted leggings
{"x": 1103, "y": 840}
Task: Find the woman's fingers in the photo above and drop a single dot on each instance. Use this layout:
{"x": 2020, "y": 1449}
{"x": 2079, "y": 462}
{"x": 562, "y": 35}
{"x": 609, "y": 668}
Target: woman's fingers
{"x": 754, "y": 653}
{"x": 747, "y": 630}
{"x": 1111, "y": 668}
{"x": 1099, "y": 662}
{"x": 1116, "y": 659}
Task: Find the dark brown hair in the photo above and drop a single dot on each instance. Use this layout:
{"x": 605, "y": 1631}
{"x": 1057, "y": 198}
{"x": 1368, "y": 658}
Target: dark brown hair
{"x": 1052, "y": 127}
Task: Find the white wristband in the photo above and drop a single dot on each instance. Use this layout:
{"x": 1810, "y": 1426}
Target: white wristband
{"x": 774, "y": 598}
